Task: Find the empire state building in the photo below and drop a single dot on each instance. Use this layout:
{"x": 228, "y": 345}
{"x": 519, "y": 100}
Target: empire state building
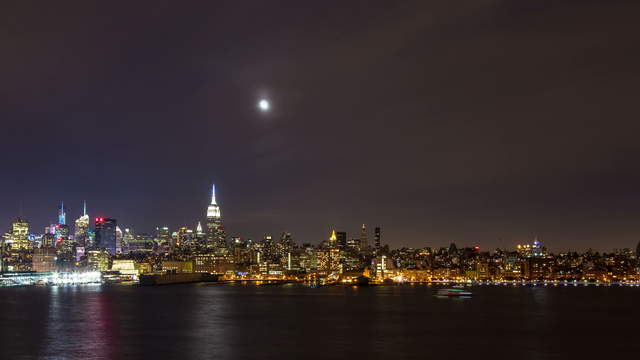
{"x": 216, "y": 237}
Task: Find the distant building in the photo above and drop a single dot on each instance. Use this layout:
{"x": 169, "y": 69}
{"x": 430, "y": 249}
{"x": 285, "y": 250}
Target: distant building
{"x": 20, "y": 234}
{"x": 216, "y": 237}
{"x": 163, "y": 236}
{"x": 177, "y": 266}
{"x": 106, "y": 234}
{"x": 81, "y": 234}
{"x": 140, "y": 243}
{"x": 364, "y": 238}
{"x": 376, "y": 237}
{"x": 130, "y": 268}
{"x": 44, "y": 259}
{"x": 98, "y": 260}
{"x": 212, "y": 264}
{"x": 341, "y": 238}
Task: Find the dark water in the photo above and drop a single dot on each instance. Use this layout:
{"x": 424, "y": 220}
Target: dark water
{"x": 295, "y": 322}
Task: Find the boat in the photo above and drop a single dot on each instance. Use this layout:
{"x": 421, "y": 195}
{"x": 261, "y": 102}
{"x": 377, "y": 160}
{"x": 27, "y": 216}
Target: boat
{"x": 454, "y": 292}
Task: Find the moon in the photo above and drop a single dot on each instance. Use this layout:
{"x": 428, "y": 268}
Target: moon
{"x": 264, "y": 105}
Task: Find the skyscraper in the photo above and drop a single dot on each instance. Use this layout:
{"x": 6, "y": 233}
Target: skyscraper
{"x": 82, "y": 227}
{"x": 62, "y": 216}
{"x": 364, "y": 238}
{"x": 216, "y": 237}
{"x": 376, "y": 237}
{"x": 106, "y": 234}
{"x": 20, "y": 234}
{"x": 342, "y": 239}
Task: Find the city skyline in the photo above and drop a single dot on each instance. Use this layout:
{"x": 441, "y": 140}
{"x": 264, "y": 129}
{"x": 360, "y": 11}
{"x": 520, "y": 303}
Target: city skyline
{"x": 217, "y": 237}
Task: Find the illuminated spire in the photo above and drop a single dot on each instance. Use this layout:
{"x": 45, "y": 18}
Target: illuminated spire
{"x": 213, "y": 211}
{"x": 199, "y": 228}
{"x": 333, "y": 236}
{"x": 213, "y": 194}
{"x": 84, "y": 209}
{"x": 61, "y": 215}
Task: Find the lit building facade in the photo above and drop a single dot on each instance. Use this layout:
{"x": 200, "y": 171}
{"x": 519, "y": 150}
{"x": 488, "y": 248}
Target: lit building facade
{"x": 20, "y": 234}
{"x": 81, "y": 233}
{"x": 216, "y": 237}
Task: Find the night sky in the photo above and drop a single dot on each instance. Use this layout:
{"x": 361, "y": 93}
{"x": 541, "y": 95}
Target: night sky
{"x": 475, "y": 122}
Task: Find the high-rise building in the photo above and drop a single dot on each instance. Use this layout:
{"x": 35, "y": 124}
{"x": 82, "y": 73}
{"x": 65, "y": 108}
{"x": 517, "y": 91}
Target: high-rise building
{"x": 62, "y": 216}
{"x": 216, "y": 237}
{"x": 98, "y": 260}
{"x": 82, "y": 227}
{"x": 62, "y": 235}
{"x": 49, "y": 237}
{"x": 376, "y": 237}
{"x": 200, "y": 234}
{"x": 163, "y": 236}
{"x": 119, "y": 240}
{"x": 20, "y": 234}
{"x": 341, "y": 239}
{"x": 128, "y": 239}
{"x": 364, "y": 238}
{"x": 106, "y": 234}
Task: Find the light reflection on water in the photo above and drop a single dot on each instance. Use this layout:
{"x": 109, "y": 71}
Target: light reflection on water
{"x": 293, "y": 322}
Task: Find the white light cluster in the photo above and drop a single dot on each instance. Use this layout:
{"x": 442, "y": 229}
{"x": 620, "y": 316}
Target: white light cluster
{"x": 91, "y": 277}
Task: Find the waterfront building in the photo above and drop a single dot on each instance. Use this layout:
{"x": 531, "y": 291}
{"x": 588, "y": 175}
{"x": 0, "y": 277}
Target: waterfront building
{"x": 80, "y": 235}
{"x": 20, "y": 234}
{"x": 98, "y": 260}
{"x": 105, "y": 230}
{"x": 212, "y": 264}
{"x": 130, "y": 268}
{"x": 44, "y": 259}
{"x": 175, "y": 266}
{"x": 216, "y": 237}
{"x": 381, "y": 268}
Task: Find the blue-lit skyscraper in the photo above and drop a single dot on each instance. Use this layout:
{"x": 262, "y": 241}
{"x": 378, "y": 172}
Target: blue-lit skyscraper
{"x": 62, "y": 216}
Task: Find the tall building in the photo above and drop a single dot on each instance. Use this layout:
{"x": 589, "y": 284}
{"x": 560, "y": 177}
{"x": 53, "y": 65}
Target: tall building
{"x": 216, "y": 237}
{"x": 20, "y": 234}
{"x": 364, "y": 238}
{"x": 62, "y": 216}
{"x": 342, "y": 239}
{"x": 376, "y": 238}
{"x": 106, "y": 234}
{"x": 119, "y": 240}
{"x": 163, "y": 235}
{"x": 81, "y": 234}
